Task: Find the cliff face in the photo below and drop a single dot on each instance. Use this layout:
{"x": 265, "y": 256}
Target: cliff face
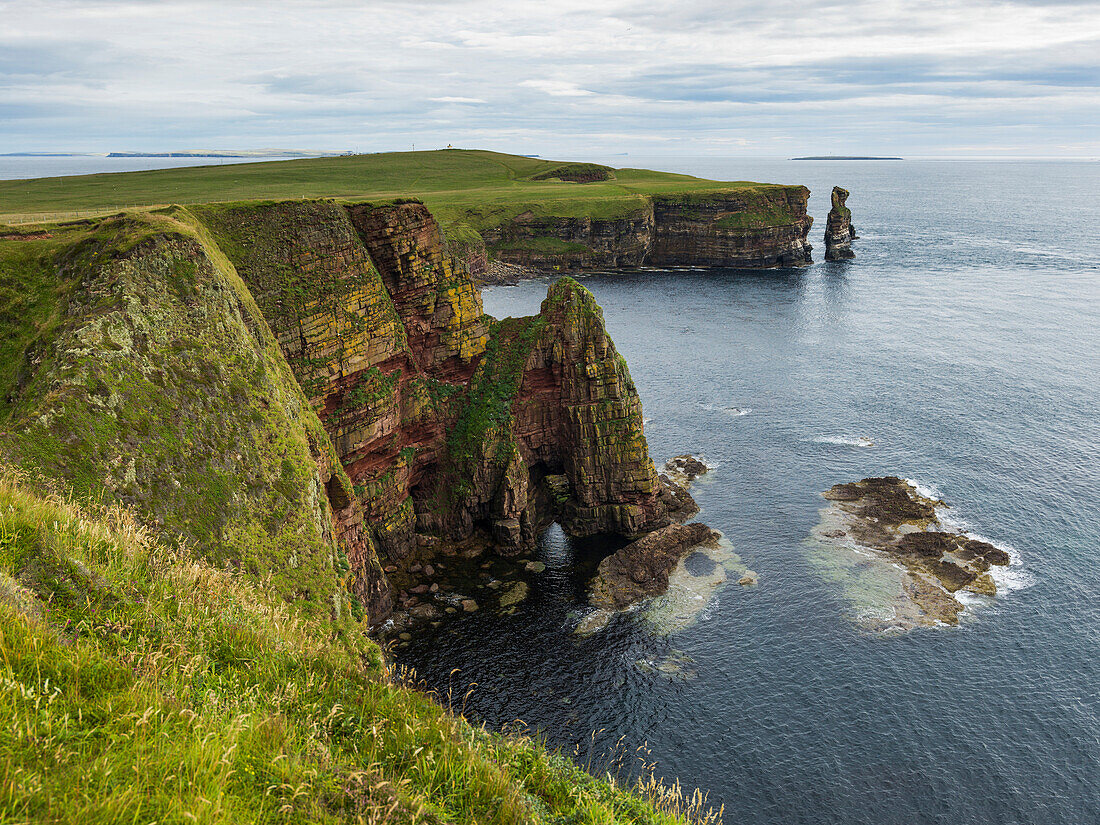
{"x": 752, "y": 228}
{"x": 309, "y": 391}
{"x": 574, "y": 243}
{"x": 448, "y": 426}
{"x": 579, "y": 422}
{"x": 765, "y": 229}
{"x": 839, "y": 232}
{"x": 159, "y": 384}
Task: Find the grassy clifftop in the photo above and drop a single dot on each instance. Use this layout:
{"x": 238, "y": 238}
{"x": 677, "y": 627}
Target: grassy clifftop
{"x": 141, "y": 684}
{"x": 489, "y": 187}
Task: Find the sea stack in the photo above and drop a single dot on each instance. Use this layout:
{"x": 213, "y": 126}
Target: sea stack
{"x": 839, "y": 232}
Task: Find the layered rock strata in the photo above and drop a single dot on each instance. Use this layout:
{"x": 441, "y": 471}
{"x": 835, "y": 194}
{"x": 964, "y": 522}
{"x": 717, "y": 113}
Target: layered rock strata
{"x": 449, "y": 425}
{"x": 554, "y": 243}
{"x": 310, "y": 392}
{"x": 159, "y": 385}
{"x": 755, "y": 229}
{"x": 839, "y": 232}
{"x": 889, "y": 517}
{"x": 759, "y": 227}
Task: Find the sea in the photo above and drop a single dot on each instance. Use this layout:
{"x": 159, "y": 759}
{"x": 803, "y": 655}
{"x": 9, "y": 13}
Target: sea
{"x": 960, "y": 349}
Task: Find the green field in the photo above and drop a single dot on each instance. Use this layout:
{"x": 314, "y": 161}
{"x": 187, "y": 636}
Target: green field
{"x": 476, "y": 187}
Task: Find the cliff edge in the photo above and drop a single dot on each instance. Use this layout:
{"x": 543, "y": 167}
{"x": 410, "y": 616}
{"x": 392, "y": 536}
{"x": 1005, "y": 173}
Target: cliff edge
{"x": 753, "y": 227}
{"x": 311, "y": 393}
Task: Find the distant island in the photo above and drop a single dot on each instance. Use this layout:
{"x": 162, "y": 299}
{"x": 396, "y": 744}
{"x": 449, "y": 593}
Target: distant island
{"x": 843, "y": 157}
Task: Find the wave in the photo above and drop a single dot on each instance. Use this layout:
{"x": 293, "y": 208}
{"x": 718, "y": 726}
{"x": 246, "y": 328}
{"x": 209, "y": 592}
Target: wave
{"x": 1053, "y": 253}
{"x": 927, "y": 491}
{"x": 844, "y": 440}
{"x": 736, "y": 412}
{"x": 1008, "y": 578}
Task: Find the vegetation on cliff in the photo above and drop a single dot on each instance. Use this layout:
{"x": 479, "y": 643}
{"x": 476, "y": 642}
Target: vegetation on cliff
{"x": 450, "y": 182}
{"x": 153, "y": 380}
{"x": 185, "y": 563}
{"x": 577, "y": 173}
{"x": 141, "y": 683}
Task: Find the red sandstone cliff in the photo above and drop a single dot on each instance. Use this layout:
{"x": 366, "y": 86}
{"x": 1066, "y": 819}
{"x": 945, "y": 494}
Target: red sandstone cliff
{"x": 447, "y": 424}
{"x": 839, "y": 232}
{"x": 759, "y": 227}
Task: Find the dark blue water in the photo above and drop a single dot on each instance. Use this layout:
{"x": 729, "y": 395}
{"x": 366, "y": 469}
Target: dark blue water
{"x": 964, "y": 341}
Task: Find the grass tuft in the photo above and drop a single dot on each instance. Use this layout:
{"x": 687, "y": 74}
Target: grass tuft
{"x": 141, "y": 684}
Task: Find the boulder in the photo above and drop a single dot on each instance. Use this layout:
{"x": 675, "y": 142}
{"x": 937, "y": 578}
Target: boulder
{"x": 514, "y": 594}
{"x": 686, "y": 467}
{"x": 640, "y": 570}
{"x": 677, "y": 501}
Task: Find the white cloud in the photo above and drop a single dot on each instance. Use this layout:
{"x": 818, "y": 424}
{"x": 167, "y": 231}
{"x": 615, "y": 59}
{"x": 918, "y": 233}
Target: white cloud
{"x": 572, "y": 75}
{"x": 557, "y": 88}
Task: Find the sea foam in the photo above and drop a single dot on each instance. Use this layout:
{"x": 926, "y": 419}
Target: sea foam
{"x": 844, "y": 440}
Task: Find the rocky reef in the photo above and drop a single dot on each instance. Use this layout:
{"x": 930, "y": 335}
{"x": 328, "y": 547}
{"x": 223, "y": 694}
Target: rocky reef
{"x": 310, "y": 391}
{"x": 757, "y": 227}
{"x": 918, "y": 569}
{"x": 839, "y": 232}
{"x": 641, "y": 570}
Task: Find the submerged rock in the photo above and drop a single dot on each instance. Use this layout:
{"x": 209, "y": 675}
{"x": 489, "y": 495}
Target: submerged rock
{"x": 749, "y": 577}
{"x": 685, "y": 468}
{"x": 676, "y": 666}
{"x": 909, "y": 568}
{"x": 514, "y": 594}
{"x": 641, "y": 569}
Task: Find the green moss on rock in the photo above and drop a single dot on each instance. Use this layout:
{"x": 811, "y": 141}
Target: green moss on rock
{"x": 162, "y": 387}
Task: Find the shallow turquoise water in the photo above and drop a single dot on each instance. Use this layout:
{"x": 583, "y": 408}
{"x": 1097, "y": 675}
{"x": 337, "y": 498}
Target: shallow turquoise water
{"x": 964, "y": 341}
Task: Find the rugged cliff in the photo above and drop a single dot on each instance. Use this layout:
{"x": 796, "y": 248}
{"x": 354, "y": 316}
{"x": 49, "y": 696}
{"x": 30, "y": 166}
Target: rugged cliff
{"x": 547, "y": 242}
{"x": 304, "y": 386}
{"x": 839, "y": 232}
{"x": 288, "y": 396}
{"x": 753, "y": 227}
{"x": 144, "y": 372}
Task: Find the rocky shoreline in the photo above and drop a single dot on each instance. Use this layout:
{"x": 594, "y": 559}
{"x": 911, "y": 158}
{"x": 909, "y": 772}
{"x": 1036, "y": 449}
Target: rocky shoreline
{"x": 473, "y": 574}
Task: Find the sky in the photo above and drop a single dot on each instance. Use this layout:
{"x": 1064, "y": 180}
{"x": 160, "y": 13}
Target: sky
{"x": 778, "y": 78}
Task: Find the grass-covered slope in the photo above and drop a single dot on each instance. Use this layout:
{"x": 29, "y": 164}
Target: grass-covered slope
{"x": 139, "y": 369}
{"x": 478, "y": 187}
{"x": 141, "y": 684}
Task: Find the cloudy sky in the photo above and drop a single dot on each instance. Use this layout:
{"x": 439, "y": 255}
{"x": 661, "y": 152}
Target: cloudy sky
{"x": 778, "y": 78}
